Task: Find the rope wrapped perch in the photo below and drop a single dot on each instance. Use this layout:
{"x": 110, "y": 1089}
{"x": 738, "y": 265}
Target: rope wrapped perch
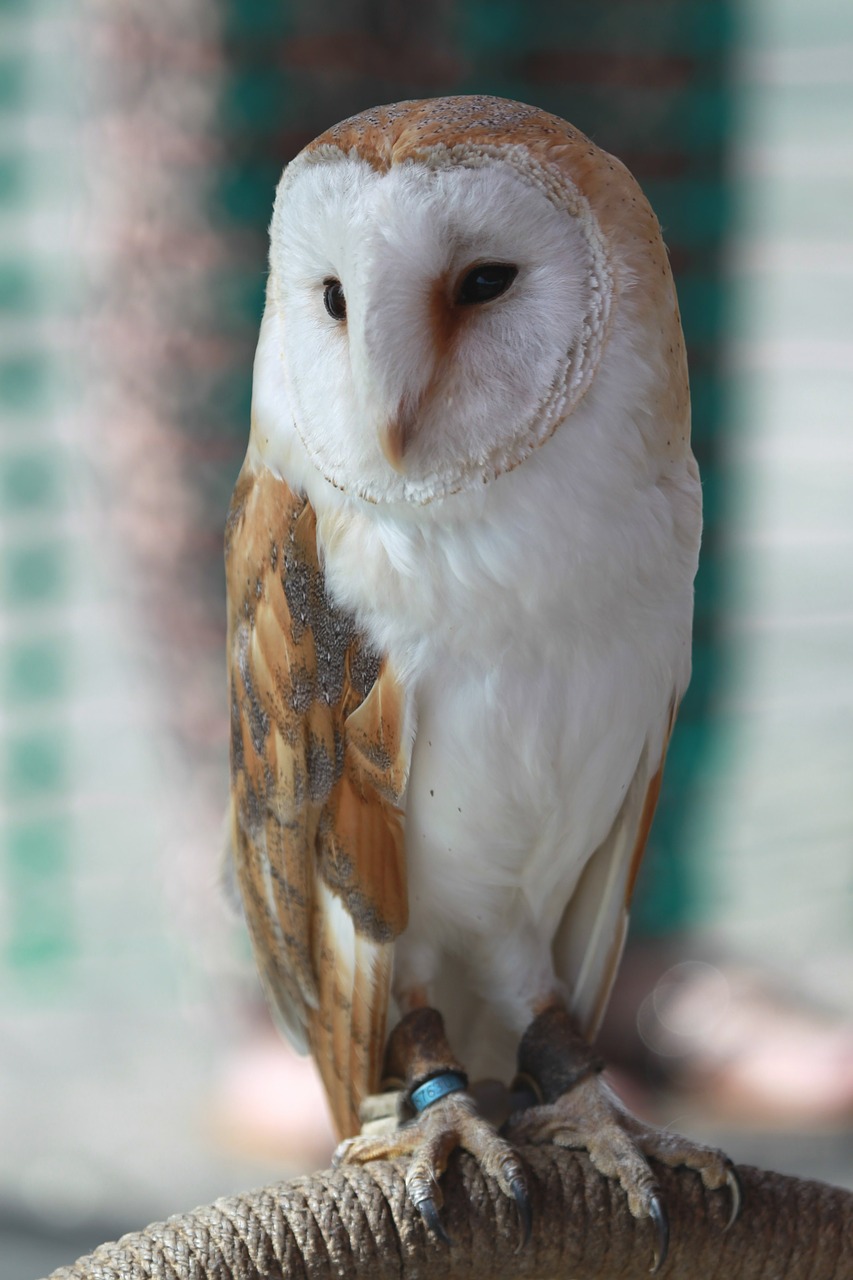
{"x": 356, "y": 1223}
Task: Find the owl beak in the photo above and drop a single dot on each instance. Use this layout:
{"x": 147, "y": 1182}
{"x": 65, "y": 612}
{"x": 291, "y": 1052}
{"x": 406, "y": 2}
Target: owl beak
{"x": 396, "y": 436}
{"x": 393, "y": 444}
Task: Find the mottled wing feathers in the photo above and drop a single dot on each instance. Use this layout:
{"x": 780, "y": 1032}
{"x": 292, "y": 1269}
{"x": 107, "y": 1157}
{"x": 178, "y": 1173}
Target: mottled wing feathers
{"x": 589, "y": 941}
{"x": 318, "y": 765}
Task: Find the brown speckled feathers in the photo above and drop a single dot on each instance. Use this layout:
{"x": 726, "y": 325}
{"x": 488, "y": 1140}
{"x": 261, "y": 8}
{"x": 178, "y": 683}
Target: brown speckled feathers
{"x": 318, "y": 765}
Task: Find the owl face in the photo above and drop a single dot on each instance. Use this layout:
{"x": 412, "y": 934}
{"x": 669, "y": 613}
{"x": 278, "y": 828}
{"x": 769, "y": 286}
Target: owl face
{"x": 437, "y": 318}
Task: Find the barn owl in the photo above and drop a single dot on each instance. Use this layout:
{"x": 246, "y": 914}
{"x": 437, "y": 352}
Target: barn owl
{"x": 460, "y": 562}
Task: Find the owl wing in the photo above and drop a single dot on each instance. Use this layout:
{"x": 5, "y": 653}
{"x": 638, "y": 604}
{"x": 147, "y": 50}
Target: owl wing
{"x": 319, "y": 758}
{"x": 591, "y": 935}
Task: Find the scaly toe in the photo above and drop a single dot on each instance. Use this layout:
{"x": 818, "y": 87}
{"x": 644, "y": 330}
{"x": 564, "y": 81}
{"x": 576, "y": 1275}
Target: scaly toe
{"x": 385, "y": 1146}
{"x": 591, "y": 1117}
{"x": 715, "y": 1169}
{"x": 500, "y": 1160}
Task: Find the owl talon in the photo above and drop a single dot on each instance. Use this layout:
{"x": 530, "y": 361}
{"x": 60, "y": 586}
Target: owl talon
{"x": 428, "y": 1211}
{"x": 339, "y": 1155}
{"x": 658, "y": 1215}
{"x": 518, "y": 1187}
{"x": 733, "y": 1184}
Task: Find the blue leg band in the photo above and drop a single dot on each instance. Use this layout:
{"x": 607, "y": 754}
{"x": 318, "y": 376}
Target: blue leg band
{"x": 438, "y": 1087}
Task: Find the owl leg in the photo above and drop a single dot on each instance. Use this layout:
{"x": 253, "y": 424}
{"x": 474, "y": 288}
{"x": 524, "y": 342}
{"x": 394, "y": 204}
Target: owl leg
{"x": 437, "y": 1116}
{"x": 574, "y": 1107}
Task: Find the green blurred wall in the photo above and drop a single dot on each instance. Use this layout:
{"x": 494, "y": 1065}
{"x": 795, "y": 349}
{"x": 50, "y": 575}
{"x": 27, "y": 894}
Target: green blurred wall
{"x": 35, "y": 863}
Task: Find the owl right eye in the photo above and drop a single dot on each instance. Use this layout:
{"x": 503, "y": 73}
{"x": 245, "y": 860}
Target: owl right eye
{"x": 486, "y": 281}
{"x": 334, "y": 300}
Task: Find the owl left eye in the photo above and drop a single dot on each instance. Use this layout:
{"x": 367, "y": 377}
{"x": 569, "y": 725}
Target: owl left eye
{"x": 334, "y": 300}
{"x": 485, "y": 282}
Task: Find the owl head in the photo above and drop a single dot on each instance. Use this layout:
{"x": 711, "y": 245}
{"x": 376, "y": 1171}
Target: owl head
{"x": 448, "y": 281}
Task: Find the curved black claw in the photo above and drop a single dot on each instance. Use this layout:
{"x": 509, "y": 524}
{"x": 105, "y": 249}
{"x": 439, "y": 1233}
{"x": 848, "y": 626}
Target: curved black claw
{"x": 733, "y": 1184}
{"x": 426, "y": 1208}
{"x": 525, "y": 1213}
{"x": 657, "y": 1213}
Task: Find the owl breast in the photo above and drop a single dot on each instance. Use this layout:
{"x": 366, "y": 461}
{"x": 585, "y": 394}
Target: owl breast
{"x": 543, "y": 629}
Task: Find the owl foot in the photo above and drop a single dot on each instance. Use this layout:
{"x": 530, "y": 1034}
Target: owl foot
{"x": 578, "y": 1110}
{"x": 429, "y": 1139}
{"x": 437, "y": 1116}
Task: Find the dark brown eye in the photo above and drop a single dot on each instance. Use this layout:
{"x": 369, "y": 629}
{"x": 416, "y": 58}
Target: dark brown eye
{"x": 334, "y": 300}
{"x": 485, "y": 282}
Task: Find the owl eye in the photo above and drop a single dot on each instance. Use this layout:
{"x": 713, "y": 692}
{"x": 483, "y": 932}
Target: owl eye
{"x": 334, "y": 300}
{"x": 485, "y": 282}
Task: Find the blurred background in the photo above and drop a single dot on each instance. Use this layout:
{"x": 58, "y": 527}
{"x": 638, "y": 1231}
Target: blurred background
{"x": 140, "y": 145}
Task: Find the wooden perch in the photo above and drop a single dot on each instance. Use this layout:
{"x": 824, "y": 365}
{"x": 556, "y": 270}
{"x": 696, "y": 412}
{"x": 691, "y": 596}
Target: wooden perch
{"x": 357, "y": 1224}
